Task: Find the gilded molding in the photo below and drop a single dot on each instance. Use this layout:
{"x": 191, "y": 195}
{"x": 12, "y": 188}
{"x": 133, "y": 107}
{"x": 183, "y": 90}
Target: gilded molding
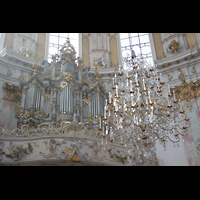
{"x": 67, "y": 76}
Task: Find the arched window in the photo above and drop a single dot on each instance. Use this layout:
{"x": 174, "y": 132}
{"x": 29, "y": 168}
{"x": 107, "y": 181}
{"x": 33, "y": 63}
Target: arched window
{"x": 139, "y": 42}
{"x": 56, "y": 40}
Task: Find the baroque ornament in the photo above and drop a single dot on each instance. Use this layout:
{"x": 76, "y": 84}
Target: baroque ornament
{"x": 18, "y": 152}
{"x": 9, "y": 73}
{"x": 72, "y": 149}
{"x": 11, "y": 93}
{"x": 174, "y": 46}
{"x": 24, "y": 50}
{"x": 187, "y": 91}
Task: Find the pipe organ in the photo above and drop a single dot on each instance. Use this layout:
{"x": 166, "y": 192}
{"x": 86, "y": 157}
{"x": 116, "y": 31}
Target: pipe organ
{"x": 61, "y": 91}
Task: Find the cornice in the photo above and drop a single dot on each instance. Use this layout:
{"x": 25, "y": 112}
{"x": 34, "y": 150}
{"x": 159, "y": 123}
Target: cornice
{"x": 6, "y": 53}
{"x": 102, "y": 71}
{"x": 9, "y": 80}
{"x": 15, "y": 59}
{"x": 180, "y": 60}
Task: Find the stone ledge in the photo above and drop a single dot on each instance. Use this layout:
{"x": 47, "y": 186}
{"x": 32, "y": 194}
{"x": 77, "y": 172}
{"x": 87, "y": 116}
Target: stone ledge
{"x": 178, "y": 60}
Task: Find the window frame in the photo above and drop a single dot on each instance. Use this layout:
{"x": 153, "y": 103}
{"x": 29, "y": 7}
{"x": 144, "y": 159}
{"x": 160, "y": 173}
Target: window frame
{"x": 140, "y": 44}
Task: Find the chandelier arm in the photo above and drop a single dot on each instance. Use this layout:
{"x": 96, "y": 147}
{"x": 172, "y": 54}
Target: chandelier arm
{"x": 174, "y": 140}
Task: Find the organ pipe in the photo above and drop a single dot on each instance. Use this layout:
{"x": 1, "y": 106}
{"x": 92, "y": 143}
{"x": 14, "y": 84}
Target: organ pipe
{"x": 61, "y": 98}
{"x": 33, "y": 94}
{"x": 67, "y": 99}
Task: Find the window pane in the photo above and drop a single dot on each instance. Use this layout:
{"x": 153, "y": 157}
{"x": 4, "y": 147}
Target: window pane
{"x": 62, "y": 41}
{"x": 64, "y": 35}
{"x": 73, "y": 35}
{"x": 144, "y": 39}
{"x": 52, "y": 50}
{"x": 123, "y": 35}
{"x": 146, "y": 50}
{"x": 135, "y": 40}
{"x": 54, "y": 34}
{"x": 125, "y": 42}
{"x": 134, "y": 34}
{"x": 143, "y": 34}
{"x": 125, "y": 52}
{"x": 53, "y": 39}
{"x": 139, "y": 42}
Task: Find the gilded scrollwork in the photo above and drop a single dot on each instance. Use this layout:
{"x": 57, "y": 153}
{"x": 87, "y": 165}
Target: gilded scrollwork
{"x": 54, "y": 105}
{"x": 9, "y": 73}
{"x": 41, "y": 113}
{"x": 72, "y": 147}
{"x": 18, "y": 152}
{"x": 187, "y": 91}
{"x": 170, "y": 77}
{"x": 193, "y": 70}
{"x": 24, "y": 50}
{"x": 95, "y": 149}
{"x": 11, "y": 93}
{"x": 47, "y": 96}
{"x": 51, "y": 128}
{"x": 99, "y": 63}
{"x": 55, "y": 64}
{"x": 182, "y": 76}
{"x": 67, "y": 76}
{"x": 21, "y": 77}
{"x": 85, "y": 99}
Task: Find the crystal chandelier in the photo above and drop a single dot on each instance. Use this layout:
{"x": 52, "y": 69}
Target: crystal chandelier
{"x": 141, "y": 109}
